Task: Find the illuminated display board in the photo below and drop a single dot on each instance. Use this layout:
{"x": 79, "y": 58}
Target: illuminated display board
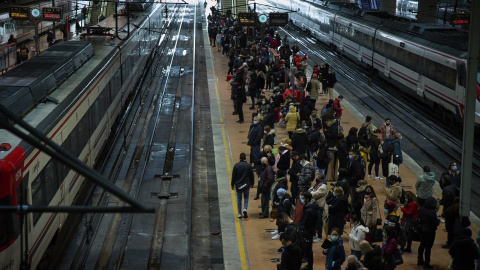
{"x": 52, "y": 13}
{"x": 247, "y": 19}
{"x": 19, "y": 13}
{"x": 278, "y": 19}
{"x": 460, "y": 18}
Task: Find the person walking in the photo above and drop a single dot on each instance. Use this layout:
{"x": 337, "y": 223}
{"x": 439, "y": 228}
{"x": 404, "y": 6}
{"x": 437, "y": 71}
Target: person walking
{"x": 242, "y": 180}
{"x": 424, "y": 185}
{"x": 428, "y": 226}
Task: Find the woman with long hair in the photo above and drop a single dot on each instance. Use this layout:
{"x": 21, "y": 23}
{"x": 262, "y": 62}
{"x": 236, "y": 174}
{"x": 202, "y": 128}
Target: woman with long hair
{"x": 370, "y": 210}
{"x": 410, "y": 213}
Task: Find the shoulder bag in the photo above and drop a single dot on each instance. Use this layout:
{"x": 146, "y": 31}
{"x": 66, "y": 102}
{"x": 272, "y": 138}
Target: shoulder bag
{"x": 392, "y": 168}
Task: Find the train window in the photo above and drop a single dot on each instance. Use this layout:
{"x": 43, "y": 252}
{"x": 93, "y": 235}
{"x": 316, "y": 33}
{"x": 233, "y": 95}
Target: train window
{"x": 44, "y": 187}
{"x": 7, "y": 226}
{"x": 450, "y": 78}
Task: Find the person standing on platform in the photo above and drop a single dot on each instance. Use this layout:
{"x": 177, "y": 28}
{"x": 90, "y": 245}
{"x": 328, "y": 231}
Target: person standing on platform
{"x": 387, "y": 133}
{"x": 307, "y": 225}
{"x": 338, "y": 108}
{"x": 331, "y": 81}
{"x": 374, "y": 155}
{"x": 240, "y": 98}
{"x": 372, "y": 256}
{"x": 324, "y": 72}
{"x": 294, "y": 172}
{"x": 291, "y": 118}
{"x": 397, "y": 150}
{"x": 389, "y": 246}
{"x": 410, "y": 213}
{"x": 428, "y": 226}
{"x": 264, "y": 184}
{"x": 306, "y": 175}
{"x": 50, "y": 37}
{"x": 319, "y": 194}
{"x": 336, "y": 252}
{"x": 464, "y": 252}
{"x": 394, "y": 192}
{"x": 291, "y": 256}
{"x": 337, "y": 208}
{"x": 255, "y": 135}
{"x": 454, "y": 173}
{"x": 313, "y": 87}
{"x": 299, "y": 140}
{"x": 242, "y": 180}
{"x": 12, "y": 40}
{"x": 358, "y": 234}
{"x": 424, "y": 185}
{"x": 370, "y": 209}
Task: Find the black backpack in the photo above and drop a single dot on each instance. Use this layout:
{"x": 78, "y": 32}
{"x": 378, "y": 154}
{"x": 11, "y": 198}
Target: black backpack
{"x": 363, "y": 136}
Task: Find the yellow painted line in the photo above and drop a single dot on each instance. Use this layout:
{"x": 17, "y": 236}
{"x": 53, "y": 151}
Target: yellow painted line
{"x": 238, "y": 229}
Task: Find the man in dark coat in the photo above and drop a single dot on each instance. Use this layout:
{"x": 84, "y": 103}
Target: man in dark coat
{"x": 428, "y": 227}
{"x": 354, "y": 171}
{"x": 283, "y": 163}
{"x": 255, "y": 138}
{"x": 299, "y": 140}
{"x": 291, "y": 256}
{"x": 307, "y": 174}
{"x": 307, "y": 225}
{"x": 373, "y": 255}
{"x": 242, "y": 180}
{"x": 264, "y": 185}
{"x": 464, "y": 251}
{"x": 240, "y": 98}
{"x": 294, "y": 172}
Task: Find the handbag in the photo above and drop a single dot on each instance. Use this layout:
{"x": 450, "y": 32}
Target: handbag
{"x": 396, "y": 257}
{"x": 273, "y": 214}
{"x": 379, "y": 219}
{"x": 392, "y": 168}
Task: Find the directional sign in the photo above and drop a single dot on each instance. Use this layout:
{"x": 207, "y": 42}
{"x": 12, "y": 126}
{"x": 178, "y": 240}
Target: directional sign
{"x": 52, "y": 13}
{"x": 460, "y": 18}
{"x": 247, "y": 18}
{"x": 278, "y": 19}
{"x": 19, "y": 13}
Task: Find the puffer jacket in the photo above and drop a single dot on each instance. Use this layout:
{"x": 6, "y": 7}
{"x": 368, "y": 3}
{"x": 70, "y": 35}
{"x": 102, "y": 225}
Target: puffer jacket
{"x": 357, "y": 234}
{"x": 306, "y": 175}
{"x": 424, "y": 185}
{"x": 319, "y": 194}
{"x": 428, "y": 216}
{"x": 292, "y": 118}
{"x": 394, "y": 193}
{"x": 315, "y": 86}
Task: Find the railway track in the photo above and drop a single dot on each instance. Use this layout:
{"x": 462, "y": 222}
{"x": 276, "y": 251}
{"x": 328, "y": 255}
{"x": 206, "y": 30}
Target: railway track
{"x": 109, "y": 240}
{"x": 422, "y": 130}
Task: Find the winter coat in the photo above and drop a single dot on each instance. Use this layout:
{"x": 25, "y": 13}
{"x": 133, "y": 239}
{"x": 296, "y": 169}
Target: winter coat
{"x": 394, "y": 193}
{"x": 448, "y": 195}
{"x": 332, "y": 132}
{"x": 337, "y": 208}
{"x": 323, "y": 158}
{"x": 309, "y": 218}
{"x": 291, "y": 258}
{"x": 354, "y": 171}
{"x": 336, "y": 253}
{"x": 266, "y": 180}
{"x": 343, "y": 183}
{"x": 242, "y": 173}
{"x": 411, "y": 211}
{"x": 294, "y": 170}
{"x": 269, "y": 119}
{"x": 319, "y": 194}
{"x": 351, "y": 141}
{"x": 260, "y": 82}
{"x": 270, "y": 138}
{"x": 397, "y": 151}
{"x": 387, "y": 249}
{"x": 306, "y": 175}
{"x": 386, "y": 157}
{"x": 456, "y": 178}
{"x": 383, "y": 132}
{"x": 358, "y": 199}
{"x": 284, "y": 161}
{"x": 312, "y": 140}
{"x": 342, "y": 156}
{"x": 355, "y": 236}
{"x": 369, "y": 212}
{"x": 255, "y": 135}
{"x": 373, "y": 259}
{"x": 314, "y": 88}
{"x": 338, "y": 108}
{"x": 331, "y": 79}
{"x": 392, "y": 219}
{"x": 292, "y": 118}
{"x": 299, "y": 141}
{"x": 285, "y": 204}
{"x": 428, "y": 216}
{"x": 374, "y": 144}
{"x": 424, "y": 185}
{"x": 464, "y": 252}
{"x": 279, "y": 183}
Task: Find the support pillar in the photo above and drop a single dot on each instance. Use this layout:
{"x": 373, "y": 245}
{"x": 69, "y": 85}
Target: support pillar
{"x": 427, "y": 11}
{"x": 389, "y": 6}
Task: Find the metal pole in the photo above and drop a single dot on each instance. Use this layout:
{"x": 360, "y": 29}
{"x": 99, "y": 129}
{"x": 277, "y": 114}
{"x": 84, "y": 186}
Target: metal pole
{"x": 37, "y": 44}
{"x": 53, "y": 24}
{"x": 469, "y": 120}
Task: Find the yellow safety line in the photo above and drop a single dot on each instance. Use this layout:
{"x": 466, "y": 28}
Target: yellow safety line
{"x": 238, "y": 229}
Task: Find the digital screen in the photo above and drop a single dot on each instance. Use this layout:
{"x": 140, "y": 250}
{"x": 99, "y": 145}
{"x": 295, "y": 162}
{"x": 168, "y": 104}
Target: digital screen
{"x": 21, "y": 13}
{"x": 52, "y": 13}
{"x": 247, "y": 19}
{"x": 278, "y": 19}
{"x": 460, "y": 18}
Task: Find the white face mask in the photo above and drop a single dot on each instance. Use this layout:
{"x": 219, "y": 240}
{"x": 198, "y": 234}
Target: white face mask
{"x": 334, "y": 238}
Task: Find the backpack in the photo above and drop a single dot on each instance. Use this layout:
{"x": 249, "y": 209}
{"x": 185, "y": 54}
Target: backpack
{"x": 363, "y": 136}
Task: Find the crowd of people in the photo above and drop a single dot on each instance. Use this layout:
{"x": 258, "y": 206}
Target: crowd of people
{"x": 319, "y": 177}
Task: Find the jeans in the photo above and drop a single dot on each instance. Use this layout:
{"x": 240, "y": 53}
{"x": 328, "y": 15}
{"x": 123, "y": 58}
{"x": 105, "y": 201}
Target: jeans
{"x": 426, "y": 244}
{"x": 255, "y": 152}
{"x": 265, "y": 200}
{"x": 239, "y": 200}
{"x": 374, "y": 159}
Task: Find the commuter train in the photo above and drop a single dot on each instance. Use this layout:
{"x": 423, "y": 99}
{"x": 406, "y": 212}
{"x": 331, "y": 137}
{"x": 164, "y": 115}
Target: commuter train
{"x": 427, "y": 61}
{"x": 80, "y": 119}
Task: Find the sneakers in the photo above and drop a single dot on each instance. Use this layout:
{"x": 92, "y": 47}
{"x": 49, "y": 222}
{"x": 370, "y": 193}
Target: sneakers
{"x": 275, "y": 237}
{"x": 370, "y": 176}
{"x": 274, "y": 232}
{"x": 317, "y": 240}
{"x": 245, "y": 215}
{"x": 376, "y": 177}
{"x": 239, "y": 216}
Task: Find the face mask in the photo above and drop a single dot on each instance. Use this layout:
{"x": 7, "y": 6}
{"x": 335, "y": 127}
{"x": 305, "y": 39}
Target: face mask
{"x": 329, "y": 72}
{"x": 254, "y": 122}
{"x": 263, "y": 102}
{"x": 454, "y": 168}
{"x": 302, "y": 201}
{"x": 334, "y": 238}
{"x": 280, "y": 197}
{"x": 338, "y": 173}
{"x": 350, "y": 156}
{"x": 264, "y": 132}
{"x": 367, "y": 192}
{"x": 388, "y": 124}
{"x": 305, "y": 127}
{"x": 367, "y": 196}
{"x": 385, "y": 212}
{"x": 384, "y": 235}
{"x": 301, "y": 163}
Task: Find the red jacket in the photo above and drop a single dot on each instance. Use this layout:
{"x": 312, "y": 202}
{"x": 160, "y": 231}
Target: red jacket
{"x": 278, "y": 116}
{"x": 287, "y": 92}
{"x": 337, "y": 107}
{"x": 411, "y": 211}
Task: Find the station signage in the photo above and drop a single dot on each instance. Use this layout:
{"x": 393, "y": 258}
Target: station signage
{"x": 52, "y": 13}
{"x": 247, "y": 18}
{"x": 19, "y": 12}
{"x": 278, "y": 19}
{"x": 460, "y": 18}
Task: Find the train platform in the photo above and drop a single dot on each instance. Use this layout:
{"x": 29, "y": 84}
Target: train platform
{"x": 247, "y": 242}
